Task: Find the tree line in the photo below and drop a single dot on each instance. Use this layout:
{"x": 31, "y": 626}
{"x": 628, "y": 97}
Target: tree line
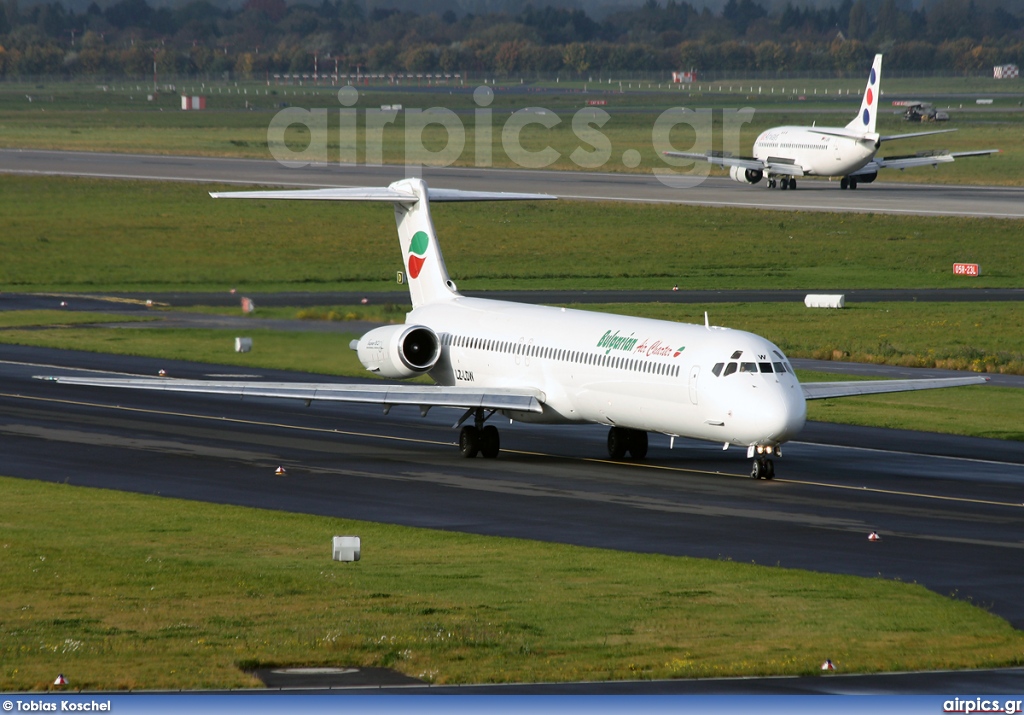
{"x": 266, "y": 37}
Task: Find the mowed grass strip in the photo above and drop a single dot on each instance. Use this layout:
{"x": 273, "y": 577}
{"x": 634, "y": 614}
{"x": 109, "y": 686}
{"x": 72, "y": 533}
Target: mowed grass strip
{"x": 93, "y": 235}
{"x": 118, "y": 591}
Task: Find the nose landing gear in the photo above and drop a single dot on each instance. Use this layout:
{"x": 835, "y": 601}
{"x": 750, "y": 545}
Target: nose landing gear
{"x": 763, "y": 467}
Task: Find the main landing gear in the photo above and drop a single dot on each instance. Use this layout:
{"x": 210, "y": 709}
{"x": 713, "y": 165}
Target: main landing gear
{"x": 848, "y": 182}
{"x": 784, "y": 183}
{"x": 622, "y": 440}
{"x": 479, "y": 439}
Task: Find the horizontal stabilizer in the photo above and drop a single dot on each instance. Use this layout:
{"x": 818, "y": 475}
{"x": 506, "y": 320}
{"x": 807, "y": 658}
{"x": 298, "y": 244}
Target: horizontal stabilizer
{"x": 823, "y": 390}
{"x": 391, "y": 194}
{"x": 521, "y": 399}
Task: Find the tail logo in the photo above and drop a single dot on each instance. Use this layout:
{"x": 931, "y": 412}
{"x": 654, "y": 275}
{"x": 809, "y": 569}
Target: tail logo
{"x": 418, "y": 253}
{"x": 869, "y": 97}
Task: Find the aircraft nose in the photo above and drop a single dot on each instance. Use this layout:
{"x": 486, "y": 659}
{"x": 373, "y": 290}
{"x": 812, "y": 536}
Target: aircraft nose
{"x": 789, "y": 413}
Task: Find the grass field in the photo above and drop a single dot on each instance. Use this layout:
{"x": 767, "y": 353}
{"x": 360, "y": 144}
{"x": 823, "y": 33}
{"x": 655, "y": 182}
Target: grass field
{"x": 85, "y": 117}
{"x": 166, "y": 594}
{"x": 91, "y": 235}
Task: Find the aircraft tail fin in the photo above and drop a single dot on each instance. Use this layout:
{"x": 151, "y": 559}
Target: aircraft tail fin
{"x": 425, "y": 270}
{"x": 868, "y": 114}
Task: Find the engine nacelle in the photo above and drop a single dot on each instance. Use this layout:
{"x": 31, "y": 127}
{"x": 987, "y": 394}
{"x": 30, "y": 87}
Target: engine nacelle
{"x": 866, "y": 178}
{"x": 745, "y": 176}
{"x": 399, "y": 351}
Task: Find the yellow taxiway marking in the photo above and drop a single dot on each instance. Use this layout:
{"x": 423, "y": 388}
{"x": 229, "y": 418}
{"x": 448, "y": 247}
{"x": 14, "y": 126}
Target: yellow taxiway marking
{"x": 416, "y": 440}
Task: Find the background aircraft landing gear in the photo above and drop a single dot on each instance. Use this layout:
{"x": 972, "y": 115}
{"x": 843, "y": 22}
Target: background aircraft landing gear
{"x": 478, "y": 439}
{"x": 763, "y": 469}
{"x": 772, "y": 183}
{"x": 622, "y": 440}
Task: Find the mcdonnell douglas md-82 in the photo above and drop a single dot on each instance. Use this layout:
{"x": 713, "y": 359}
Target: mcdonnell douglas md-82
{"x": 782, "y": 154}
{"x": 542, "y": 364}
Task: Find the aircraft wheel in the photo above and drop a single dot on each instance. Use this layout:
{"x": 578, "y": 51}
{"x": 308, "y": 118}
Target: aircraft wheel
{"x": 469, "y": 441}
{"x": 637, "y": 444}
{"x": 844, "y": 183}
{"x": 490, "y": 442}
{"x": 755, "y": 469}
{"x": 618, "y": 442}
{"x": 783, "y": 184}
{"x": 792, "y": 184}
{"x": 770, "y": 469}
{"x": 772, "y": 183}
{"x": 853, "y": 183}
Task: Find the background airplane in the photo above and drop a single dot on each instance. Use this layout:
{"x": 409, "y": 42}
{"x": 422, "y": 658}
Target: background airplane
{"x": 785, "y": 153}
{"x": 550, "y": 365}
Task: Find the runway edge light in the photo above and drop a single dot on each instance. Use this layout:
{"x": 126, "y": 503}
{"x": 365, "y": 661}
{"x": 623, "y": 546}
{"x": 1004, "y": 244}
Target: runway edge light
{"x": 60, "y": 680}
{"x": 281, "y": 472}
{"x": 827, "y": 665}
{"x": 873, "y": 536}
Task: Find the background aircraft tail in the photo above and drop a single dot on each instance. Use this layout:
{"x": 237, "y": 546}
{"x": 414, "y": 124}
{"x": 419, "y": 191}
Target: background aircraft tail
{"x": 865, "y": 119}
{"x": 425, "y": 271}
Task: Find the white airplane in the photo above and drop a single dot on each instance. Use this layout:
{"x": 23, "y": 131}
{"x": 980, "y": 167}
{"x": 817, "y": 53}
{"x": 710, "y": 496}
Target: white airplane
{"x": 785, "y": 153}
{"x": 550, "y": 365}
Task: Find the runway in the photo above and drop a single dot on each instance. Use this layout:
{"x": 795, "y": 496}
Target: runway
{"x": 950, "y": 510}
{"x": 812, "y": 195}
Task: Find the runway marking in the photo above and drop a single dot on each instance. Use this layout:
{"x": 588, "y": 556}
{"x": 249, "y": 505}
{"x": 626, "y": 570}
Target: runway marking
{"x": 974, "y": 460}
{"x": 894, "y": 492}
{"x": 416, "y": 440}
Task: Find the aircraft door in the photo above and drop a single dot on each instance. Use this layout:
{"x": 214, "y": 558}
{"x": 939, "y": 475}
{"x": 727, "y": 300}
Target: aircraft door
{"x": 694, "y": 372}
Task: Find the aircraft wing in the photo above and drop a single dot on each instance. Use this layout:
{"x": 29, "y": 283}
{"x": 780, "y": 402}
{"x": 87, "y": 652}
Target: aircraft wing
{"x": 423, "y": 396}
{"x": 893, "y": 137}
{"x": 823, "y": 390}
{"x": 909, "y": 162}
{"x": 719, "y": 160}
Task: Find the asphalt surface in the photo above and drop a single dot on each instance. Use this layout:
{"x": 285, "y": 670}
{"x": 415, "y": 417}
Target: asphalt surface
{"x": 812, "y": 195}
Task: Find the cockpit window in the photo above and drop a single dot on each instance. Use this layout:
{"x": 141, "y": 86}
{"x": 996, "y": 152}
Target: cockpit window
{"x": 736, "y": 355}
{"x": 730, "y": 369}
{"x": 748, "y": 367}
{"x": 779, "y": 367}
{"x": 765, "y": 366}
{"x": 717, "y": 369}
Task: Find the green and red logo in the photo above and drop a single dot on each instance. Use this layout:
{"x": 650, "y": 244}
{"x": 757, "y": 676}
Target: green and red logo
{"x": 418, "y": 253}
{"x": 679, "y": 351}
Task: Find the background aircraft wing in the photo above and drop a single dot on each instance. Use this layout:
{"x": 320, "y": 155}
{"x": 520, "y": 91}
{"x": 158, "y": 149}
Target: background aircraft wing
{"x": 520, "y": 399}
{"x": 823, "y": 390}
{"x": 719, "y": 160}
{"x": 892, "y": 137}
{"x": 908, "y": 162}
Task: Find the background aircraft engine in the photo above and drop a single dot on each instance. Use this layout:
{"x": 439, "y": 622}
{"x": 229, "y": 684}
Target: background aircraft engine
{"x": 399, "y": 351}
{"x": 745, "y": 176}
{"x": 866, "y": 178}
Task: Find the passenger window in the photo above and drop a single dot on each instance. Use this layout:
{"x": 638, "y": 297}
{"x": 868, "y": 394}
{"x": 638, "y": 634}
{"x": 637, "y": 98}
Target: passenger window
{"x": 730, "y": 369}
{"x": 748, "y": 367}
{"x": 779, "y": 367}
{"x": 765, "y": 366}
